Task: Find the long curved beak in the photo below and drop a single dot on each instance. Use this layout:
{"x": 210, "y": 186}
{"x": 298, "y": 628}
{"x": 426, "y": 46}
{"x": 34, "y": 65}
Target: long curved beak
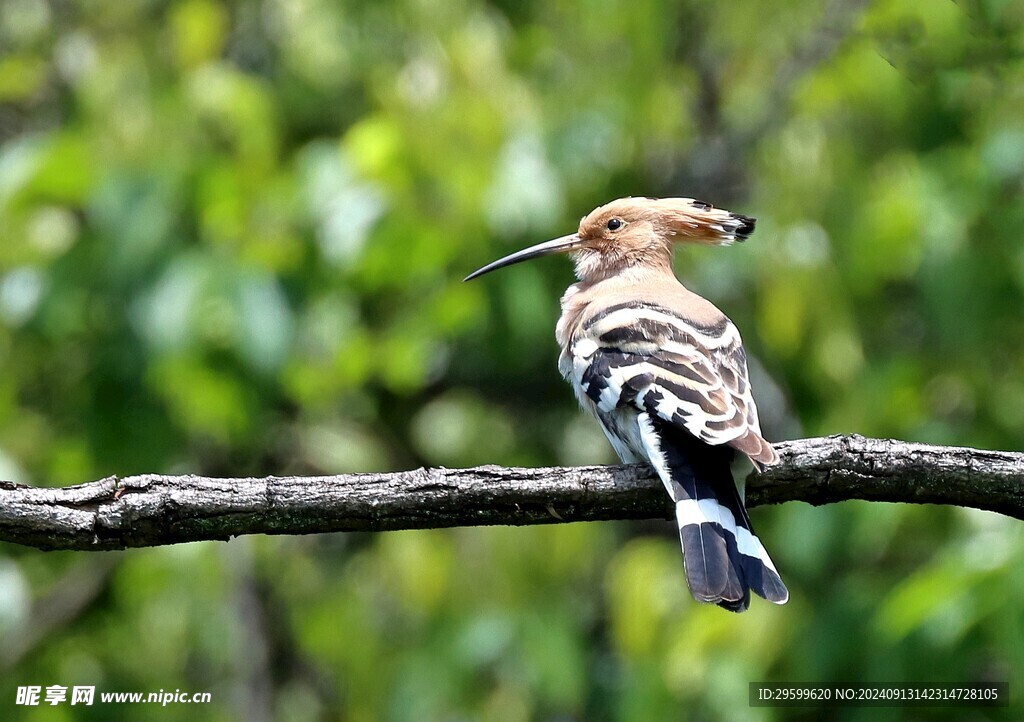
{"x": 558, "y": 245}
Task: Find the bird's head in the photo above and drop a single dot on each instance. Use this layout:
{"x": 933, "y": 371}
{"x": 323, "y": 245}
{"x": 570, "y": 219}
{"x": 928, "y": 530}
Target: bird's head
{"x": 636, "y": 232}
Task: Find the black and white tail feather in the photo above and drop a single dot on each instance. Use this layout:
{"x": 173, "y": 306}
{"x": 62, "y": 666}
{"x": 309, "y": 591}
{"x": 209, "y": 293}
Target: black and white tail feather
{"x": 723, "y": 558}
{"x": 674, "y": 393}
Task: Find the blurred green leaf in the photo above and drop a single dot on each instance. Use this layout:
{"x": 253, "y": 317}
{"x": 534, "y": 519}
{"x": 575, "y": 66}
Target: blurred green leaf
{"x": 232, "y": 238}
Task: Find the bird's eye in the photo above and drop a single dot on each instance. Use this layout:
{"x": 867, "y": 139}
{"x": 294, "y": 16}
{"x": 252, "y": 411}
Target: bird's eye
{"x": 615, "y": 224}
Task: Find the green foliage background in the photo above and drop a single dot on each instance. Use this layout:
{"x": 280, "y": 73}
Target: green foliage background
{"x": 232, "y": 235}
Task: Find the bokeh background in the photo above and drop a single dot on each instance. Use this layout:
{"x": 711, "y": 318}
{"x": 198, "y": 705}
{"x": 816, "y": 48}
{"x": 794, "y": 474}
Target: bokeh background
{"x": 232, "y": 235}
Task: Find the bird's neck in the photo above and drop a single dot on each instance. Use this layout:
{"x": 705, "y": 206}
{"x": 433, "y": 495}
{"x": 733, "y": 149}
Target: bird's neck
{"x": 596, "y": 266}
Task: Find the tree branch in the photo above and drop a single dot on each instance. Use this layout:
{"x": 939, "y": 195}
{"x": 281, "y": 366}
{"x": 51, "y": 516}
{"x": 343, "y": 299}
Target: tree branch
{"x": 151, "y": 510}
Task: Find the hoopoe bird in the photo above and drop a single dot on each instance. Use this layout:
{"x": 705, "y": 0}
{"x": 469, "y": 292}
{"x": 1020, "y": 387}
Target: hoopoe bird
{"x": 665, "y": 374}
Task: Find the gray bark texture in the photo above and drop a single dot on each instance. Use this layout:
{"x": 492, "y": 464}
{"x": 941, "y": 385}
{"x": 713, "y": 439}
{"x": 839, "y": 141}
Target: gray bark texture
{"x": 152, "y": 510}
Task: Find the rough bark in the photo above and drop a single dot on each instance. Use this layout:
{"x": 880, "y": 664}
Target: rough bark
{"x": 151, "y": 510}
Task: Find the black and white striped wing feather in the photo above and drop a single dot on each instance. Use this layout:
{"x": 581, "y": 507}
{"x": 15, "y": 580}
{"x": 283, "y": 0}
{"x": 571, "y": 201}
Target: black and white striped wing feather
{"x": 690, "y": 375}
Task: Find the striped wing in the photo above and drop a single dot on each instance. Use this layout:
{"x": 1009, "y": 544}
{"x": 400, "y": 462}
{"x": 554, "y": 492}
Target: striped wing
{"x": 692, "y": 376}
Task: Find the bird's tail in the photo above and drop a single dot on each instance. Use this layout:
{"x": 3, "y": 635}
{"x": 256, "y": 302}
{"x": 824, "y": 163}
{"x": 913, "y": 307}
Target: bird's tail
{"x": 723, "y": 558}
